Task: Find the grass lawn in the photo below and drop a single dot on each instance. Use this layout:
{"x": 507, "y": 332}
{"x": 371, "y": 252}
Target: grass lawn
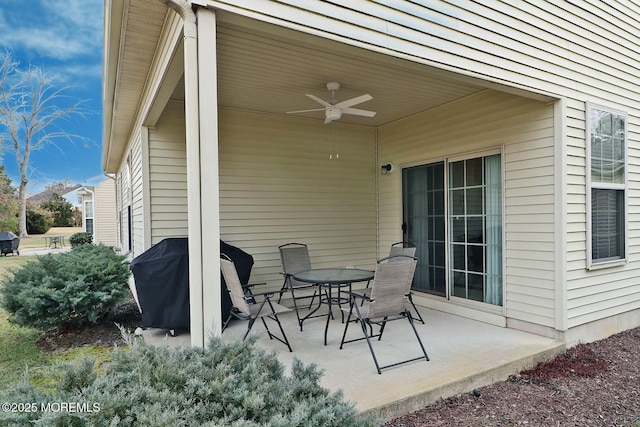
{"x": 8, "y": 263}
{"x": 18, "y": 345}
{"x": 37, "y": 240}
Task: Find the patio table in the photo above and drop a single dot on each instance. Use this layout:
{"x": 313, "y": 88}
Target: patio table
{"x": 54, "y": 241}
{"x": 327, "y": 280}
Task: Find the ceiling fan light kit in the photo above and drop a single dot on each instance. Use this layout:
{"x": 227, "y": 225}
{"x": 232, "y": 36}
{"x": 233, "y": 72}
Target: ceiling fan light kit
{"x": 333, "y": 110}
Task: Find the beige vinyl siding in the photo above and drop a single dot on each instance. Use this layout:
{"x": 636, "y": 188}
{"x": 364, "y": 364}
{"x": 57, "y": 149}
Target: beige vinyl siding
{"x": 105, "y": 212}
{"x": 121, "y": 212}
{"x": 563, "y": 48}
{"x": 129, "y": 193}
{"x": 137, "y": 206}
{"x": 580, "y": 51}
{"x": 486, "y": 121}
{"x": 597, "y": 294}
{"x": 279, "y": 185}
{"x": 168, "y": 175}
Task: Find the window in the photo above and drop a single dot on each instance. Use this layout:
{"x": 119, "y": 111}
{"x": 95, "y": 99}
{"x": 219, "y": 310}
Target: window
{"x": 606, "y": 178}
{"x": 88, "y": 217}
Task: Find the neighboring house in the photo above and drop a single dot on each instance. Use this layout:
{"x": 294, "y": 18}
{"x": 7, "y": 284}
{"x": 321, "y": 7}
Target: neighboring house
{"x": 99, "y": 213}
{"x": 70, "y": 194}
{"x": 512, "y": 128}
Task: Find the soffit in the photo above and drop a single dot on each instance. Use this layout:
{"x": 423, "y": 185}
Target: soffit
{"x": 142, "y": 23}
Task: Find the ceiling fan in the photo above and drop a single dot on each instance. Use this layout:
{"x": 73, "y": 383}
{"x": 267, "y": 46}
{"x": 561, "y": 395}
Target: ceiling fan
{"x": 333, "y": 109}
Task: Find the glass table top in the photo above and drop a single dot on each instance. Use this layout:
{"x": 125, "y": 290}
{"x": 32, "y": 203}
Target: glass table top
{"x": 334, "y": 276}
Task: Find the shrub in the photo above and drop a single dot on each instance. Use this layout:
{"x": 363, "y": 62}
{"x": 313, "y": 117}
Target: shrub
{"x": 38, "y": 221}
{"x": 66, "y": 290}
{"x": 61, "y": 210}
{"x": 9, "y": 224}
{"x": 224, "y": 385}
{"x": 79, "y": 239}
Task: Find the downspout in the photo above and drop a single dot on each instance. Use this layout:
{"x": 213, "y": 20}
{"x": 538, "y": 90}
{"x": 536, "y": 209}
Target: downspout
{"x": 192, "y": 133}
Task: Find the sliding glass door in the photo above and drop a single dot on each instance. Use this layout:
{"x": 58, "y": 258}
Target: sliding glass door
{"x": 424, "y": 224}
{"x": 453, "y": 214}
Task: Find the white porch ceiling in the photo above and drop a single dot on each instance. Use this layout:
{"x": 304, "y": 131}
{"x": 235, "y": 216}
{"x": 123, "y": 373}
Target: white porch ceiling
{"x": 269, "y": 69}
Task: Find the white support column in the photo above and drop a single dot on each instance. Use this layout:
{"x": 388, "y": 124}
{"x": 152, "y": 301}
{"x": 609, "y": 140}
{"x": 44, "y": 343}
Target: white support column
{"x": 210, "y": 202}
{"x": 192, "y": 135}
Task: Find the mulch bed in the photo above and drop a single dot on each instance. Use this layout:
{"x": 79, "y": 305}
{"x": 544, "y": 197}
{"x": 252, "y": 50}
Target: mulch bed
{"x": 105, "y": 333}
{"x": 596, "y": 384}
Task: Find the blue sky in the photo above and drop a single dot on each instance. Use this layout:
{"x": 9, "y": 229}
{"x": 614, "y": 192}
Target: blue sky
{"x": 64, "y": 39}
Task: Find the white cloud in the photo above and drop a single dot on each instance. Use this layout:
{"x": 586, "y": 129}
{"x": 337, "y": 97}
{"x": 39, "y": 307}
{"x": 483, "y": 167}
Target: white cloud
{"x": 59, "y": 30}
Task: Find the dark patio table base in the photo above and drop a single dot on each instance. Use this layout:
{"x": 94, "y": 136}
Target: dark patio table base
{"x": 329, "y": 279}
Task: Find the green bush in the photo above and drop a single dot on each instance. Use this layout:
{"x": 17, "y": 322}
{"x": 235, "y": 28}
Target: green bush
{"x": 38, "y": 222}
{"x": 9, "y": 224}
{"x": 67, "y": 289}
{"x": 61, "y": 210}
{"x": 224, "y": 385}
{"x": 79, "y": 239}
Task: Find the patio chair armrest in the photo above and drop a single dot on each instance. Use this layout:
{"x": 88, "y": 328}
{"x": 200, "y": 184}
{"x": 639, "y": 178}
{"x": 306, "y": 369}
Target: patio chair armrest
{"x": 249, "y": 286}
{"x": 266, "y": 294}
{"x": 357, "y": 295}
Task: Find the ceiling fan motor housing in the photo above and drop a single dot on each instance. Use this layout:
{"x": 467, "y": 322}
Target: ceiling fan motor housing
{"x": 332, "y": 113}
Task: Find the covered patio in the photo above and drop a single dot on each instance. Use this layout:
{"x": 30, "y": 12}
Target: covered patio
{"x": 205, "y": 147}
{"x": 464, "y": 355}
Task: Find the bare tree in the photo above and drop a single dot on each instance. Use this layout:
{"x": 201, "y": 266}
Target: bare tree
{"x": 31, "y": 107}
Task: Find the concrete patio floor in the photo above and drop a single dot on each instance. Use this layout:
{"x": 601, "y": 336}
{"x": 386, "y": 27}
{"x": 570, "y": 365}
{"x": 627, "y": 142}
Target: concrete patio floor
{"x": 464, "y": 354}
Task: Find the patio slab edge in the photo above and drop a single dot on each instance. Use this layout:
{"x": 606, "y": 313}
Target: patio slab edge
{"x": 465, "y": 385}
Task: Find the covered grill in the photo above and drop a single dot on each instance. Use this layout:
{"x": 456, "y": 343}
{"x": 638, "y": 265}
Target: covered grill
{"x": 161, "y": 276}
{"x": 9, "y": 243}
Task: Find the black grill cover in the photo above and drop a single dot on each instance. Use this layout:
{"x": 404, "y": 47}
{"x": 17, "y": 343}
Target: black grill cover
{"x": 243, "y": 262}
{"x": 9, "y": 243}
{"x": 161, "y": 274}
{"x": 7, "y": 235}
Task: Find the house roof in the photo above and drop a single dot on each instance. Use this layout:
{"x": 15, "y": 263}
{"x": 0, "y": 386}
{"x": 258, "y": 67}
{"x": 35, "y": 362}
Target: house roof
{"x": 48, "y": 194}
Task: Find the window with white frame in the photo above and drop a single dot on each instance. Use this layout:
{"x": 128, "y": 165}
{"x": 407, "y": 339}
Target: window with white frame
{"x": 607, "y": 183}
{"x": 88, "y": 216}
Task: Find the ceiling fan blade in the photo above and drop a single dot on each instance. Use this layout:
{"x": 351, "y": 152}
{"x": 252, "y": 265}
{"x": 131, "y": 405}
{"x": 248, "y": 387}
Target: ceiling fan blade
{"x": 328, "y": 120}
{"x": 358, "y": 112}
{"x": 305, "y": 111}
{"x": 319, "y": 101}
{"x": 353, "y": 101}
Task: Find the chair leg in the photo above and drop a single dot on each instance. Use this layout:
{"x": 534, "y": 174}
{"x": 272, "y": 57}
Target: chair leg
{"x": 295, "y": 307}
{"x": 415, "y": 308}
{"x": 283, "y": 289}
{"x": 346, "y": 326}
{"x": 373, "y": 354}
{"x": 415, "y": 331}
{"x": 274, "y": 316}
{"x": 284, "y": 336}
{"x": 384, "y": 323}
{"x": 313, "y": 298}
{"x": 227, "y": 322}
{"x": 249, "y": 326}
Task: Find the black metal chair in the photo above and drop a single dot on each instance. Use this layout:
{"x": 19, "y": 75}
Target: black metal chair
{"x": 401, "y": 248}
{"x": 248, "y": 307}
{"x": 295, "y": 258}
{"x": 387, "y": 302}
